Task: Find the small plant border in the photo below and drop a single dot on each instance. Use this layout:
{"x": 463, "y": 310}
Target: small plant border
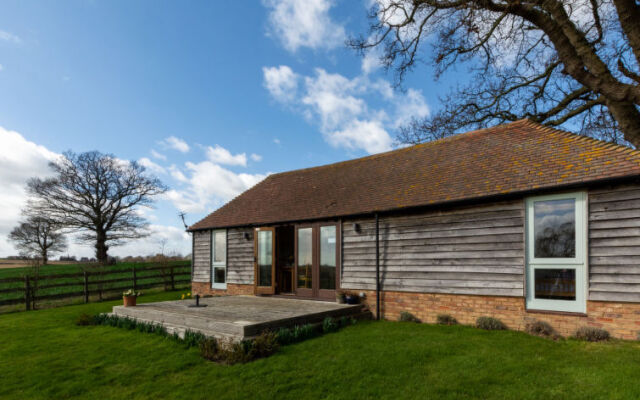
{"x": 236, "y": 352}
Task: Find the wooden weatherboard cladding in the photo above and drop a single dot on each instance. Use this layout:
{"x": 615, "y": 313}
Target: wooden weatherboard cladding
{"x": 239, "y": 256}
{"x": 474, "y": 250}
{"x": 614, "y": 244}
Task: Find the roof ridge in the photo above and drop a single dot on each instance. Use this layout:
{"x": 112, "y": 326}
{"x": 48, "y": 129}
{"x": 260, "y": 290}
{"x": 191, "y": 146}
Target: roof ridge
{"x": 415, "y": 146}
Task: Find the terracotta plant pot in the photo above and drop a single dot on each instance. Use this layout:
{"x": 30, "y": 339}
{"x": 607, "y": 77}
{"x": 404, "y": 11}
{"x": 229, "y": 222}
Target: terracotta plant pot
{"x": 129, "y": 301}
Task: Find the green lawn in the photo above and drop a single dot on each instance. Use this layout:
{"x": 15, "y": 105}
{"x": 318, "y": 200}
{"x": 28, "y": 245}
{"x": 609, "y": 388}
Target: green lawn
{"x": 44, "y": 355}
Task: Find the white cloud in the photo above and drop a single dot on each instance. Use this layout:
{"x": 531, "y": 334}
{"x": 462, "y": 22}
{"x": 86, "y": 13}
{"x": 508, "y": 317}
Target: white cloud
{"x": 175, "y": 143}
{"x": 9, "y": 37}
{"x": 412, "y": 105}
{"x": 281, "y": 82}
{"x": 342, "y": 108}
{"x": 151, "y": 166}
{"x": 304, "y": 23}
{"x": 371, "y": 61}
{"x": 220, "y": 155}
{"x": 177, "y": 241}
{"x": 276, "y": 141}
{"x": 158, "y": 156}
{"x": 208, "y": 185}
{"x": 256, "y": 157}
{"x": 368, "y": 135}
{"x": 20, "y": 160}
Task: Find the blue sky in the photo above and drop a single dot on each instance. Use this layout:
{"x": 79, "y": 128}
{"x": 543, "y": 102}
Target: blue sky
{"x": 211, "y": 96}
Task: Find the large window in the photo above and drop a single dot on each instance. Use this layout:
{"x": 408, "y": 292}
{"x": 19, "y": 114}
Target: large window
{"x": 556, "y": 242}
{"x": 219, "y": 259}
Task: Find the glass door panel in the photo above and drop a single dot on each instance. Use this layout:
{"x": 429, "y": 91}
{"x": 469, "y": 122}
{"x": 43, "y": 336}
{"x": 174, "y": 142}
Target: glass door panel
{"x": 265, "y": 264}
{"x": 304, "y": 261}
{"x": 328, "y": 257}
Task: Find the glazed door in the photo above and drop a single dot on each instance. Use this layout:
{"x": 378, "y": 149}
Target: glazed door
{"x": 317, "y": 260}
{"x": 265, "y": 263}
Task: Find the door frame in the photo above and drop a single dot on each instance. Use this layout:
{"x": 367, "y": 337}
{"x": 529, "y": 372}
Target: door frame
{"x": 256, "y": 270}
{"x": 316, "y": 291}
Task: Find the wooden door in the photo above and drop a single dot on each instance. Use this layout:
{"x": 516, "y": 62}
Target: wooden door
{"x": 265, "y": 261}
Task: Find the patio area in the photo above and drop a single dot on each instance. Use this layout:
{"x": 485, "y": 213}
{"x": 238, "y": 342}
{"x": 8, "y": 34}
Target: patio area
{"x": 236, "y": 317}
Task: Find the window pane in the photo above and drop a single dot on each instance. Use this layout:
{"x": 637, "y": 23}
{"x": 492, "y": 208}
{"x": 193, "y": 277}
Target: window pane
{"x": 305, "y": 257}
{"x": 219, "y": 246}
{"x": 265, "y": 257}
{"x": 327, "y": 257}
{"x": 219, "y": 275}
{"x": 554, "y": 228}
{"x": 555, "y": 284}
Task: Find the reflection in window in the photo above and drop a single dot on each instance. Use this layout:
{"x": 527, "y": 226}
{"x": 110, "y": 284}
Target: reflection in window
{"x": 327, "y": 257}
{"x": 555, "y": 284}
{"x": 305, "y": 257}
{"x": 265, "y": 257}
{"x": 554, "y": 228}
{"x": 219, "y": 246}
{"x": 218, "y": 275}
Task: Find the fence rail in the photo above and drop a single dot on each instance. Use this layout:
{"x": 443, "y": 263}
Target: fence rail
{"x": 32, "y": 290}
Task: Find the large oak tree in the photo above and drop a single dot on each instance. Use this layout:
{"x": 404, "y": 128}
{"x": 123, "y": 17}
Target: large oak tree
{"x": 573, "y": 63}
{"x": 97, "y": 195}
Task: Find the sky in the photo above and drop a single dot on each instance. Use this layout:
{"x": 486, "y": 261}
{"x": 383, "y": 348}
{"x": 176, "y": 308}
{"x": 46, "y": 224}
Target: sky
{"x": 210, "y": 97}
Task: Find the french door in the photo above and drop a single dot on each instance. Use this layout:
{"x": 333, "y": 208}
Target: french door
{"x": 317, "y": 260}
{"x": 265, "y": 263}
{"x": 556, "y": 253}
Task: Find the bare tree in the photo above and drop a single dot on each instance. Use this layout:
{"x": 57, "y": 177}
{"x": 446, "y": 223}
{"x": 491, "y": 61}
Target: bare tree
{"x": 97, "y": 195}
{"x": 574, "y": 63}
{"x": 38, "y": 237}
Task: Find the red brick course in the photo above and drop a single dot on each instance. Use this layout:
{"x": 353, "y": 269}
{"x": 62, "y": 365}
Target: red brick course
{"x": 622, "y": 320}
{"x": 204, "y": 288}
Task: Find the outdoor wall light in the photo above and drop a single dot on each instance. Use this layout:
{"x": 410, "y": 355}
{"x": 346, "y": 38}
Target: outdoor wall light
{"x": 247, "y": 236}
{"x": 356, "y": 227}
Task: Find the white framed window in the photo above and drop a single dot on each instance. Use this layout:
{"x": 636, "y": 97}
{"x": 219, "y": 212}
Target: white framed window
{"x": 556, "y": 242}
{"x": 219, "y": 259}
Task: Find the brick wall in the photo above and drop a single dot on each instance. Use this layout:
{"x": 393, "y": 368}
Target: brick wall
{"x": 622, "y": 320}
{"x": 204, "y": 288}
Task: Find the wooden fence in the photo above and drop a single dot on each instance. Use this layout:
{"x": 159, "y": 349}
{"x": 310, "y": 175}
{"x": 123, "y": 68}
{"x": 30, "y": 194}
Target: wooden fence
{"x": 89, "y": 285}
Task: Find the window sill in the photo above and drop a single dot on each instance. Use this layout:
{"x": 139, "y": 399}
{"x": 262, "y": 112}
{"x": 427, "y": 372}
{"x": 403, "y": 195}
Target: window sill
{"x": 551, "y": 312}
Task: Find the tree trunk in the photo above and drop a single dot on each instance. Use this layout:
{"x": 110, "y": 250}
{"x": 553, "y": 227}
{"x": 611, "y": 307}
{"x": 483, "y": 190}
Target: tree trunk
{"x": 628, "y": 118}
{"x": 101, "y": 248}
{"x": 45, "y": 257}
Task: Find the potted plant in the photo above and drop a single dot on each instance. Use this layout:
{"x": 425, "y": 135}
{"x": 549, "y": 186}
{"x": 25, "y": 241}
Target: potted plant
{"x": 129, "y": 297}
{"x": 340, "y": 297}
{"x": 350, "y": 298}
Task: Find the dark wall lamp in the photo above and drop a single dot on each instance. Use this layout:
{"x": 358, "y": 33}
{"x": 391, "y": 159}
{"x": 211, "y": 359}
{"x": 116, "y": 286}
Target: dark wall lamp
{"x": 247, "y": 236}
{"x": 356, "y": 227}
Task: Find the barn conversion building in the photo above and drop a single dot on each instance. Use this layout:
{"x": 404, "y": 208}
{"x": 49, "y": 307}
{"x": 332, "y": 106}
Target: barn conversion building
{"x": 520, "y": 222}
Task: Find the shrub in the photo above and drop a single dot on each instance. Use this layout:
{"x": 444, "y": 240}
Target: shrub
{"x": 193, "y": 339}
{"x": 591, "y": 334}
{"x": 209, "y": 349}
{"x": 541, "y": 328}
{"x": 490, "y": 324}
{"x": 265, "y": 345}
{"x": 329, "y": 325}
{"x": 303, "y": 332}
{"x": 284, "y": 336}
{"x": 446, "y": 319}
{"x": 406, "y": 316}
{"x": 85, "y": 319}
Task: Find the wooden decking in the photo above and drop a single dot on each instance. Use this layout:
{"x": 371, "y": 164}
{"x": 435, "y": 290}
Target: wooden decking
{"x": 236, "y": 317}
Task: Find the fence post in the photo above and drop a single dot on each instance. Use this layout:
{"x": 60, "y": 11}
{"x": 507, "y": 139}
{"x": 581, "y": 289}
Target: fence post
{"x": 173, "y": 282}
{"x": 86, "y": 287}
{"x": 133, "y": 269}
{"x": 27, "y": 293}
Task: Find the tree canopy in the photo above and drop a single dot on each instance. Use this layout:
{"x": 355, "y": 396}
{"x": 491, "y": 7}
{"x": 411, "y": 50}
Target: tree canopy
{"x": 572, "y": 63}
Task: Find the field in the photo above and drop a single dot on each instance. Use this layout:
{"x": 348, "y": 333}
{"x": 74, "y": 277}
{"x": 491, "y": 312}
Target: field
{"x": 45, "y": 355}
{"x": 4, "y": 263}
{"x": 60, "y": 284}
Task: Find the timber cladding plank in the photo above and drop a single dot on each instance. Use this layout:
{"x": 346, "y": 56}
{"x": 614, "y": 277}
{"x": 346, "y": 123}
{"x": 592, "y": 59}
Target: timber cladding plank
{"x": 472, "y": 250}
{"x": 202, "y": 256}
{"x": 614, "y": 244}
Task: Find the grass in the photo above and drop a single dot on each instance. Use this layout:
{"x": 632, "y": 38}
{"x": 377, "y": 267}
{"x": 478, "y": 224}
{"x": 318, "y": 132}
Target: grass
{"x": 45, "y": 355}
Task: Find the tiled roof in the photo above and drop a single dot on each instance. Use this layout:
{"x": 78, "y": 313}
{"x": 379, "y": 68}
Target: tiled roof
{"x": 515, "y": 157}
